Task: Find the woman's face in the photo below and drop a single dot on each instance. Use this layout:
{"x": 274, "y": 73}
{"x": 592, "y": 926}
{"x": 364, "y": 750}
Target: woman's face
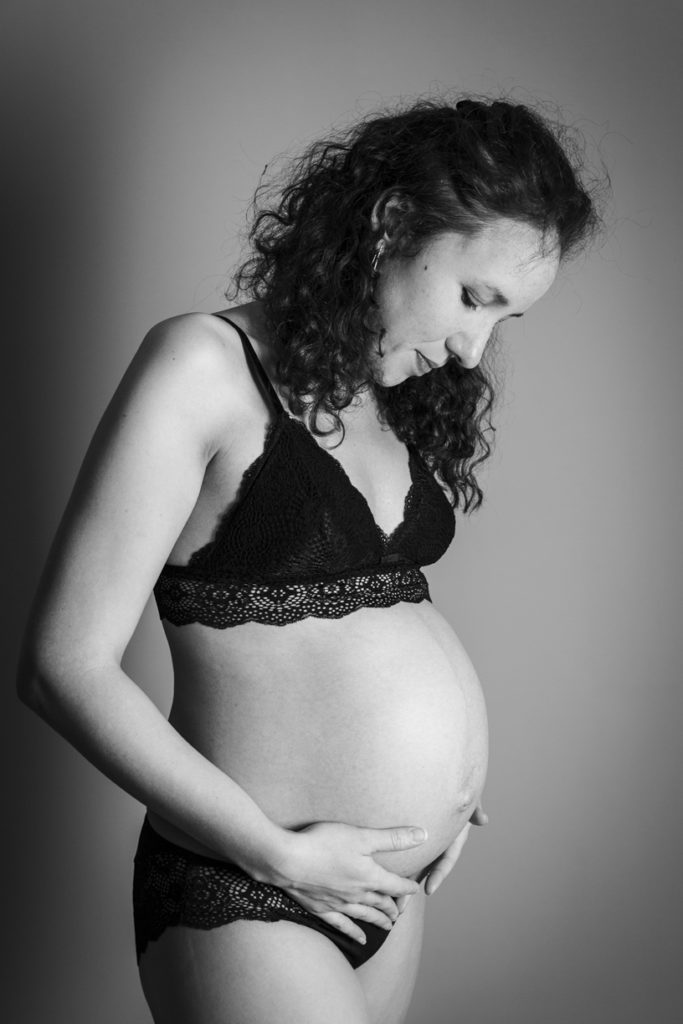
{"x": 445, "y": 302}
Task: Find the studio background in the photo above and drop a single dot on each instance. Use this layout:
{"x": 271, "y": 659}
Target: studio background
{"x": 138, "y": 131}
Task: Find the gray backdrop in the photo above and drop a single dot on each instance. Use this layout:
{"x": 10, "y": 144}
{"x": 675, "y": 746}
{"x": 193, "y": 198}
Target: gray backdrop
{"x": 138, "y": 131}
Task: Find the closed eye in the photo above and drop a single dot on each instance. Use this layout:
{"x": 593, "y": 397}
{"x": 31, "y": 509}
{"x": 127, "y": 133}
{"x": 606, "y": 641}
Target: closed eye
{"x": 467, "y": 300}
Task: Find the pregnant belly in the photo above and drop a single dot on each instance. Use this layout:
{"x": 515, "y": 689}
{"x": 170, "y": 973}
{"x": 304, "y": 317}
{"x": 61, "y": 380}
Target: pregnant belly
{"x": 415, "y": 755}
{"x": 377, "y": 725}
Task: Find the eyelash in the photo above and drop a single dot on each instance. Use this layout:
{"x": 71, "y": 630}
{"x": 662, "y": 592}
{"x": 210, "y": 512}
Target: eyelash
{"x": 467, "y": 300}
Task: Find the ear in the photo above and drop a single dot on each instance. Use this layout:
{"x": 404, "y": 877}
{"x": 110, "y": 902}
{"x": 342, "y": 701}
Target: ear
{"x": 389, "y": 214}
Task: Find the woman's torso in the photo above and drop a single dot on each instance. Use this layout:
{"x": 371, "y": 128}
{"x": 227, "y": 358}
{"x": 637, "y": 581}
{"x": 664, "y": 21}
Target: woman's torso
{"x": 375, "y": 718}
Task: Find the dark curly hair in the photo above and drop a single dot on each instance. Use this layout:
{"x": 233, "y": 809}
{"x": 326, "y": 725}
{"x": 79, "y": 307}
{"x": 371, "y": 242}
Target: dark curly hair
{"x": 447, "y": 168}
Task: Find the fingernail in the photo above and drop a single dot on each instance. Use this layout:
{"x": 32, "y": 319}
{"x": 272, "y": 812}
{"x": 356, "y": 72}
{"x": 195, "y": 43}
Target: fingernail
{"x": 418, "y": 835}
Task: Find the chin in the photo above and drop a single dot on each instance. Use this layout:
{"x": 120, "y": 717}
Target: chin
{"x": 390, "y": 381}
{"x": 402, "y": 378}
{"x": 388, "y": 377}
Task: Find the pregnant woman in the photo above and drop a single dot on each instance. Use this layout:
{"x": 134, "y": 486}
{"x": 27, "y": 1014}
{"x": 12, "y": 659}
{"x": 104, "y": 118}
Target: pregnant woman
{"x": 278, "y": 473}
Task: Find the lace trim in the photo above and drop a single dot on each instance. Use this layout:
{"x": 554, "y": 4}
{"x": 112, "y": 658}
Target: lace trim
{"x": 221, "y": 603}
{"x": 172, "y": 886}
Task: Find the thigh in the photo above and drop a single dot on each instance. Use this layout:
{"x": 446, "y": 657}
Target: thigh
{"x": 388, "y": 978}
{"x": 250, "y": 972}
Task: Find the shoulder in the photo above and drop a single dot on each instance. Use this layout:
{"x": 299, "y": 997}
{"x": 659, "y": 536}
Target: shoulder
{"x": 196, "y": 361}
{"x": 195, "y": 343}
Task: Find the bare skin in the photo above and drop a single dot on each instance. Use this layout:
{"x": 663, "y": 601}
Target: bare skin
{"x": 394, "y": 732}
{"x": 219, "y": 715}
{"x": 368, "y": 745}
{"x": 251, "y": 972}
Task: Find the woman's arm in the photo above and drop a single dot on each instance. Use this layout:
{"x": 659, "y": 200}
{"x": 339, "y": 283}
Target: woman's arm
{"x": 136, "y": 489}
{"x": 138, "y": 484}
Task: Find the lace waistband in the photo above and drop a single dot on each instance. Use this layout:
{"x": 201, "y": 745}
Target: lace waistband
{"x": 182, "y": 598}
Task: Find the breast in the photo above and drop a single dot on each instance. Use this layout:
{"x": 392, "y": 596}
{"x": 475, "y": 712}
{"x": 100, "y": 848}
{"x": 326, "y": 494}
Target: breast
{"x": 376, "y": 719}
{"x": 297, "y": 520}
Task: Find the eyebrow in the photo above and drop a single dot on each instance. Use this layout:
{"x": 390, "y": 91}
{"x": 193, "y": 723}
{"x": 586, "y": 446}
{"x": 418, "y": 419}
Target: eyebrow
{"x": 497, "y": 297}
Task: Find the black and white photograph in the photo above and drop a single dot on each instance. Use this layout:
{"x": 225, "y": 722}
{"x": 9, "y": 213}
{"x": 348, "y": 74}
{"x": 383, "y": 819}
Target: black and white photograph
{"x": 344, "y": 631}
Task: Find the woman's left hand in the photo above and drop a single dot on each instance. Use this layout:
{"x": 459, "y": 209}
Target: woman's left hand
{"x": 438, "y": 870}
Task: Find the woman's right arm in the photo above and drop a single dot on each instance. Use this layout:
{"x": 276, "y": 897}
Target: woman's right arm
{"x": 138, "y": 484}
{"x": 136, "y": 488}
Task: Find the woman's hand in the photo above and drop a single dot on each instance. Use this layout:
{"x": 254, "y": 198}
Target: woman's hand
{"x": 330, "y": 870}
{"x": 439, "y": 869}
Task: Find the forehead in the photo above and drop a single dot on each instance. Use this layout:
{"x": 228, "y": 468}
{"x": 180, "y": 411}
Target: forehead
{"x": 504, "y": 252}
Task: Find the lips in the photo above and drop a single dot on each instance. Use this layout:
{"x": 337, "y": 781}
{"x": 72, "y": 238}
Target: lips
{"x": 424, "y": 365}
{"x": 429, "y": 363}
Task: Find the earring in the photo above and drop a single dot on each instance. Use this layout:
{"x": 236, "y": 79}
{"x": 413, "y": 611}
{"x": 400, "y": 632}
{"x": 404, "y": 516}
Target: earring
{"x": 379, "y": 252}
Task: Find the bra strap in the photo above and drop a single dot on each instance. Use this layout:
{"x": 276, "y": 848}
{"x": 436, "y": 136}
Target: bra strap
{"x": 256, "y": 365}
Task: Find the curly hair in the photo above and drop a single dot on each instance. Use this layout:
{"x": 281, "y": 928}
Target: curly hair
{"x": 447, "y": 168}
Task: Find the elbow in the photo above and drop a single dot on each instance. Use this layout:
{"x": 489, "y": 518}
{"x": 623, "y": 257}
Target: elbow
{"x": 55, "y": 685}
{"x": 30, "y": 684}
{"x": 37, "y": 686}
{"x": 40, "y": 691}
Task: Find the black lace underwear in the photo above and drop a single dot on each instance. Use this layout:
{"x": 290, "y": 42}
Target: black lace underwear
{"x": 175, "y": 886}
{"x": 182, "y": 598}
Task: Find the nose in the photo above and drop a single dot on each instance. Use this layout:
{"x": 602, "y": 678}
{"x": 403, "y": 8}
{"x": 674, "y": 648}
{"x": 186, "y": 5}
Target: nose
{"x": 468, "y": 348}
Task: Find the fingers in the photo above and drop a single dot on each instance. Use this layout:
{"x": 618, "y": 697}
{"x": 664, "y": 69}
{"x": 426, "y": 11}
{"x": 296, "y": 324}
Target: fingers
{"x": 385, "y": 904}
{"x": 402, "y": 902}
{"x": 443, "y": 866}
{"x": 434, "y": 881}
{"x": 394, "y": 885}
{"x": 344, "y": 924}
{"x": 372, "y": 915}
{"x": 479, "y": 816}
{"x": 440, "y": 872}
{"x": 403, "y": 837}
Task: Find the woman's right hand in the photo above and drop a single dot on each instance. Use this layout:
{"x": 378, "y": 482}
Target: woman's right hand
{"x": 330, "y": 870}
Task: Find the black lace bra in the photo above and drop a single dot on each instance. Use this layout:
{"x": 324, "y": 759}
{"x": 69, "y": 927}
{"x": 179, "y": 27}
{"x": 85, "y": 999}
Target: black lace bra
{"x": 300, "y": 540}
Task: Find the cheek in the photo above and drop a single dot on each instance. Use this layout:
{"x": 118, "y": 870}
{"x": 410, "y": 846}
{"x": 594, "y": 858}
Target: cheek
{"x": 415, "y": 303}
{"x": 440, "y": 296}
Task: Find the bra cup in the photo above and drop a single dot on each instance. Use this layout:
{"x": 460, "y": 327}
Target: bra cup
{"x": 297, "y": 521}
